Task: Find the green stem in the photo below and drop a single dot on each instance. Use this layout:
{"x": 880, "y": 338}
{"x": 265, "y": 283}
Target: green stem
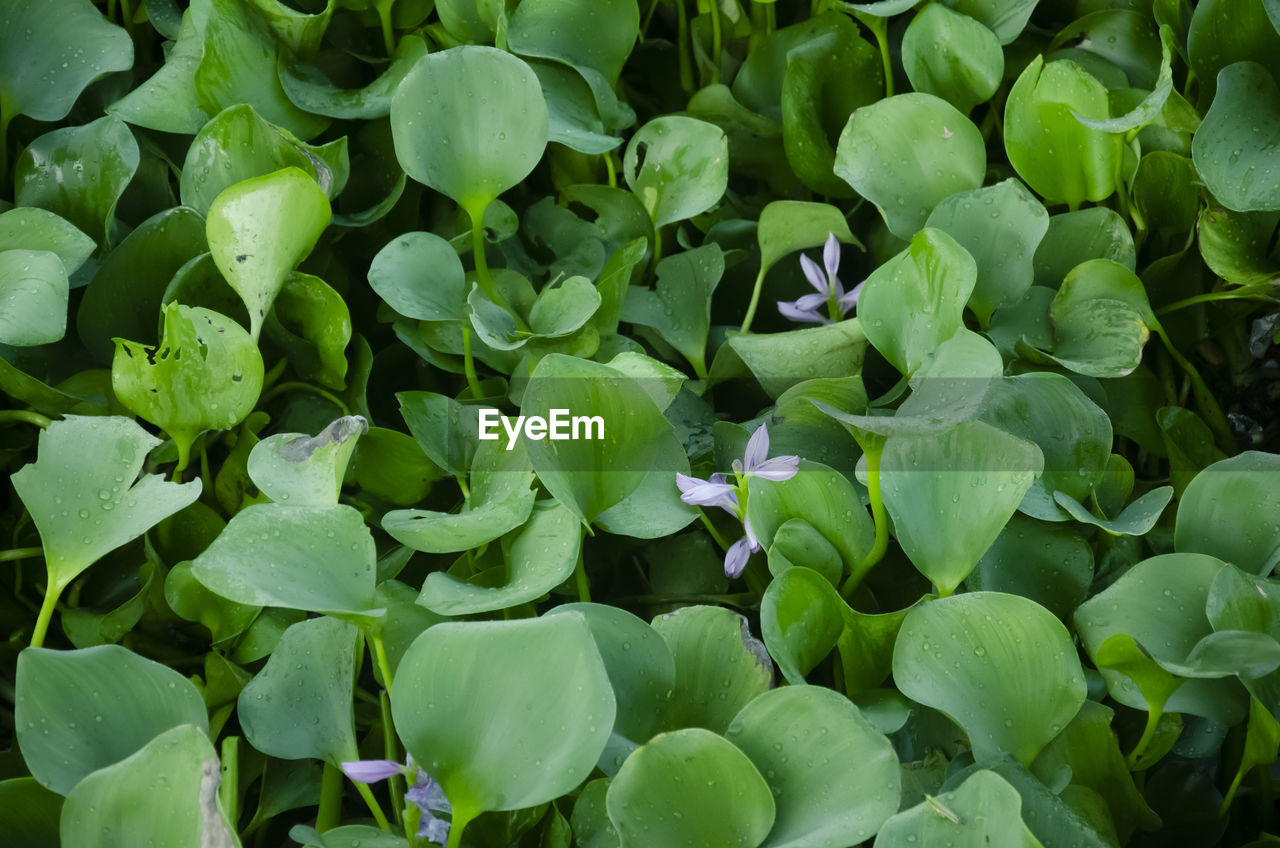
{"x": 23, "y": 415}
{"x": 229, "y": 789}
{"x": 880, "y": 29}
{"x": 608, "y": 165}
{"x": 50, "y": 603}
{"x": 580, "y": 578}
{"x": 20, "y": 553}
{"x": 462, "y": 485}
{"x": 391, "y": 750}
{"x": 1210, "y": 297}
{"x": 711, "y": 528}
{"x": 184, "y": 458}
{"x": 295, "y": 386}
{"x": 755, "y": 301}
{"x": 878, "y": 515}
{"x": 388, "y": 35}
{"x": 372, "y": 803}
{"x": 380, "y": 657}
{"x": 1231, "y": 791}
{"x": 126, "y": 16}
{"x": 716, "y": 43}
{"x": 1205, "y": 401}
{"x": 482, "y": 263}
{"x": 469, "y": 362}
{"x": 684, "y": 47}
{"x": 330, "y": 812}
{"x": 1148, "y": 733}
{"x": 461, "y": 818}
{"x": 657, "y": 245}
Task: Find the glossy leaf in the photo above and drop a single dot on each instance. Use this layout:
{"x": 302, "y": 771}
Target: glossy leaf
{"x": 1236, "y": 165}
{"x": 984, "y": 810}
{"x": 306, "y": 470}
{"x": 420, "y": 276}
{"x": 1228, "y": 512}
{"x": 679, "y": 305}
{"x": 678, "y": 167}
{"x": 34, "y": 288}
{"x": 952, "y": 56}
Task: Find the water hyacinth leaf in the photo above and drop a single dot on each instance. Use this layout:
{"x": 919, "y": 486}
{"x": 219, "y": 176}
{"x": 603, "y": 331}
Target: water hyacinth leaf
{"x": 312, "y": 326}
{"x": 827, "y": 78}
{"x": 346, "y": 836}
{"x": 908, "y": 152}
{"x": 797, "y": 543}
{"x": 299, "y": 705}
{"x": 786, "y": 226}
{"x": 915, "y": 301}
{"x": 188, "y": 597}
{"x": 540, "y": 556}
{"x": 1240, "y": 601}
{"x": 690, "y": 788}
{"x": 679, "y": 305}
{"x": 420, "y": 276}
{"x": 653, "y": 508}
{"x": 446, "y": 430}
{"x": 573, "y": 116}
{"x": 35, "y": 290}
{"x": 952, "y": 56}
{"x": 1149, "y": 109}
{"x": 720, "y": 666}
{"x": 1229, "y": 509}
{"x": 79, "y": 173}
{"x": 801, "y": 619}
{"x": 1072, "y": 432}
{"x": 182, "y": 384}
{"x": 677, "y": 166}
{"x": 590, "y": 819}
{"x": 80, "y": 711}
{"x": 500, "y": 501}
{"x": 167, "y": 101}
{"x": 165, "y": 794}
{"x": 1000, "y": 226}
{"x": 1223, "y": 653}
{"x": 469, "y": 122}
{"x": 590, "y": 475}
{"x": 984, "y": 810}
{"x": 239, "y": 144}
{"x": 126, "y": 292}
{"x": 1049, "y": 563}
{"x": 1136, "y": 519}
{"x": 260, "y": 229}
{"x": 306, "y": 470}
{"x": 782, "y": 360}
{"x": 462, "y": 685}
{"x": 29, "y": 813}
{"x": 1003, "y": 667}
{"x": 239, "y": 66}
{"x": 1237, "y": 245}
{"x": 1237, "y": 166}
{"x": 1077, "y": 237}
{"x": 392, "y": 466}
{"x": 1060, "y": 158}
{"x": 44, "y": 65}
{"x": 32, "y": 228}
{"x": 837, "y": 780}
{"x": 583, "y": 33}
{"x": 821, "y": 496}
{"x": 562, "y": 310}
{"x": 81, "y": 493}
{"x": 309, "y": 89}
{"x": 641, "y": 671}
{"x": 1101, "y": 320}
{"x": 1159, "y": 603}
{"x": 314, "y": 558}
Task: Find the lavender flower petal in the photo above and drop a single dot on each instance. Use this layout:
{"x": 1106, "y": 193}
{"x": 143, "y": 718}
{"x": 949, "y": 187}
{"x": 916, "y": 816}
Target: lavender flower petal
{"x": 792, "y": 313}
{"x": 371, "y": 771}
{"x": 735, "y": 559}
{"x": 434, "y": 829}
{"x": 810, "y": 302}
{"x": 778, "y": 468}
{"x": 814, "y": 274}
{"x": 831, "y": 255}
{"x": 850, "y": 300}
{"x": 757, "y": 448}
{"x": 752, "y": 542}
{"x": 705, "y": 493}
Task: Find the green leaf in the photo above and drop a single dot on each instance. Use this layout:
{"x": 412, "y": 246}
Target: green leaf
{"x": 167, "y": 101}
{"x": 720, "y": 666}
{"x": 239, "y": 144}
{"x": 1050, "y": 564}
{"x": 1234, "y": 149}
{"x": 1101, "y": 320}
{"x": 182, "y": 385}
{"x": 595, "y": 34}
{"x": 984, "y": 810}
{"x": 126, "y": 294}
{"x": 309, "y": 88}
{"x": 782, "y": 360}
{"x": 690, "y": 788}
{"x": 915, "y": 301}
{"x": 314, "y": 558}
{"x": 1237, "y": 245}
{"x": 834, "y": 776}
{"x": 801, "y": 619}
{"x": 1137, "y": 519}
{"x": 1159, "y": 603}
{"x": 79, "y": 173}
{"x": 1228, "y": 511}
{"x": 907, "y": 153}
{"x": 1000, "y": 226}
{"x": 952, "y": 56}
{"x": 445, "y": 429}
{"x": 81, "y": 494}
{"x": 299, "y": 705}
{"x": 260, "y": 229}
{"x": 239, "y": 66}
{"x": 32, "y": 228}
{"x": 306, "y": 470}
{"x": 44, "y": 63}
{"x": 539, "y": 556}
{"x": 420, "y": 276}
{"x": 1078, "y": 163}
{"x": 1149, "y": 109}
{"x": 1076, "y": 237}
{"x": 679, "y": 305}
{"x": 562, "y": 310}
{"x": 463, "y": 685}
{"x": 1006, "y": 18}
{"x": 677, "y": 166}
{"x": 469, "y": 122}
{"x": 1003, "y": 667}
{"x": 188, "y": 597}
{"x": 35, "y": 289}
{"x": 311, "y": 324}
{"x": 590, "y": 820}
{"x": 786, "y": 226}
{"x": 796, "y": 542}
{"x": 29, "y": 813}
{"x": 165, "y": 794}
{"x": 80, "y": 711}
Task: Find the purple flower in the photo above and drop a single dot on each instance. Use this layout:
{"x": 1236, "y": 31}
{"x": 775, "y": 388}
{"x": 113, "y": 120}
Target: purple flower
{"x": 425, "y": 793}
{"x": 732, "y": 498}
{"x": 830, "y": 291}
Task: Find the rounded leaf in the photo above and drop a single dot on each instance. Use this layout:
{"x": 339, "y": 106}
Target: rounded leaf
{"x": 677, "y": 166}
{"x": 952, "y": 56}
